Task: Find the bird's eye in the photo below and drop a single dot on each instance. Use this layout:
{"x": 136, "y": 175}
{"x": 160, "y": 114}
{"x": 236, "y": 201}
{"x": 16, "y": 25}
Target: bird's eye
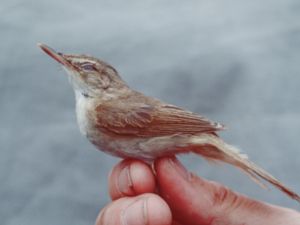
{"x": 88, "y": 66}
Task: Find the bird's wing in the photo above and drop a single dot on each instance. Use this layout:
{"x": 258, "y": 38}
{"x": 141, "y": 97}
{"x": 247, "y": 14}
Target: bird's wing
{"x": 150, "y": 120}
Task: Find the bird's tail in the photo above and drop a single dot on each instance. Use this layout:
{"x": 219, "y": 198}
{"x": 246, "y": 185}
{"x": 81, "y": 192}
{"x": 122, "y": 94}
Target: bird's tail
{"x": 215, "y": 149}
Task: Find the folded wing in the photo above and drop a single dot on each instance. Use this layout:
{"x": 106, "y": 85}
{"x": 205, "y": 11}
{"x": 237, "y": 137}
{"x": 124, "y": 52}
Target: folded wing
{"x": 144, "y": 119}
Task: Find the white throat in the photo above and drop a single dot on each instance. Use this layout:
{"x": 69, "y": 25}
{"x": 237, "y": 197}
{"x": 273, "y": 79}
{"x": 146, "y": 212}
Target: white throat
{"x": 82, "y": 105}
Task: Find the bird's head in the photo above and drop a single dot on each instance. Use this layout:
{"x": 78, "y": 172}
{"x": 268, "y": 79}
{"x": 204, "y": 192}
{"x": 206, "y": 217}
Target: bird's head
{"x": 89, "y": 75}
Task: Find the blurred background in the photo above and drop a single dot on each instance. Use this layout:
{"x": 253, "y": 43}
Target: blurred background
{"x": 236, "y": 62}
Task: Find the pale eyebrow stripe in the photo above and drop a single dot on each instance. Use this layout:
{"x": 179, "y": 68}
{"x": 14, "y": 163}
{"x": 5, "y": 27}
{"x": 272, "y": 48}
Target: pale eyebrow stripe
{"x": 80, "y": 60}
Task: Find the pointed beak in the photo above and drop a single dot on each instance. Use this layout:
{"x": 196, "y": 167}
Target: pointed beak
{"x": 59, "y": 57}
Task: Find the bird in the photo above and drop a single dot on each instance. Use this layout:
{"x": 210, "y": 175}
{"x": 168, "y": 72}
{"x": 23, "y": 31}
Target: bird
{"x": 125, "y": 123}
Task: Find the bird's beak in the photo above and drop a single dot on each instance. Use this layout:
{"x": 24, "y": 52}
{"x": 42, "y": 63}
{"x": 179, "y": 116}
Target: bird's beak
{"x": 55, "y": 55}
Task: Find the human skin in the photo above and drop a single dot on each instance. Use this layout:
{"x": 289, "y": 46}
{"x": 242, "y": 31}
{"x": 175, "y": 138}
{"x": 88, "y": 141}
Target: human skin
{"x": 167, "y": 194}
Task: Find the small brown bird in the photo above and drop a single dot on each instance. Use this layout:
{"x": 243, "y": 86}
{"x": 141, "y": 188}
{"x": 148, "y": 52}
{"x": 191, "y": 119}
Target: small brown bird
{"x": 125, "y": 123}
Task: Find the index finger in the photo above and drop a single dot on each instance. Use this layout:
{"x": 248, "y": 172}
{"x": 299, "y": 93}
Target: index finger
{"x": 131, "y": 177}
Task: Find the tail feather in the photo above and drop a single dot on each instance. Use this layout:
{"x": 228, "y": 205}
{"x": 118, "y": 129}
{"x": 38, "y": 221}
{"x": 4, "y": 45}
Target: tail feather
{"x": 212, "y": 147}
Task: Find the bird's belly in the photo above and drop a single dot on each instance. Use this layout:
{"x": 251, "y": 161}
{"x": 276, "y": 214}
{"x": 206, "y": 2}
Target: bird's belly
{"x": 120, "y": 147}
{"x": 140, "y": 148}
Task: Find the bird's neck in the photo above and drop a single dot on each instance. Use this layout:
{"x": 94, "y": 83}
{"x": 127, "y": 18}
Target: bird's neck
{"x": 101, "y": 95}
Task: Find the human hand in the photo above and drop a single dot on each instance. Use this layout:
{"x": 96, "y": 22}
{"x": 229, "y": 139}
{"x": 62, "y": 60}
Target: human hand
{"x": 171, "y": 195}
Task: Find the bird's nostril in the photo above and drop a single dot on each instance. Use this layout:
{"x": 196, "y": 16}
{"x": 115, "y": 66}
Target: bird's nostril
{"x": 59, "y": 53}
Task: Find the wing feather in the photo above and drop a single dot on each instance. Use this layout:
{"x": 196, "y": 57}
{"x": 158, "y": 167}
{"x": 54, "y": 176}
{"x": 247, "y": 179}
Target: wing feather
{"x": 144, "y": 119}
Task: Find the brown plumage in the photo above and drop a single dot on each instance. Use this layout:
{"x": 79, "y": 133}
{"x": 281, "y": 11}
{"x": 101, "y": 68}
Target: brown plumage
{"x": 148, "y": 117}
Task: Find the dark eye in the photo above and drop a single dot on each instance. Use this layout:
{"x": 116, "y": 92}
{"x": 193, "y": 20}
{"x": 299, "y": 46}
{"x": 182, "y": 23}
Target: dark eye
{"x": 88, "y": 66}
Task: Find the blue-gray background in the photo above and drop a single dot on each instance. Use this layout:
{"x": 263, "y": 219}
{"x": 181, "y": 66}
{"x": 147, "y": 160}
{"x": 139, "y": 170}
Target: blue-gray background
{"x": 234, "y": 61}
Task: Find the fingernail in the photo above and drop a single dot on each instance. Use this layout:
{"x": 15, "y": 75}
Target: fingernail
{"x": 179, "y": 168}
{"x": 125, "y": 184}
{"x": 136, "y": 213}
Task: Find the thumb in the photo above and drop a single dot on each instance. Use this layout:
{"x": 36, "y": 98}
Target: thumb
{"x": 194, "y": 200}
